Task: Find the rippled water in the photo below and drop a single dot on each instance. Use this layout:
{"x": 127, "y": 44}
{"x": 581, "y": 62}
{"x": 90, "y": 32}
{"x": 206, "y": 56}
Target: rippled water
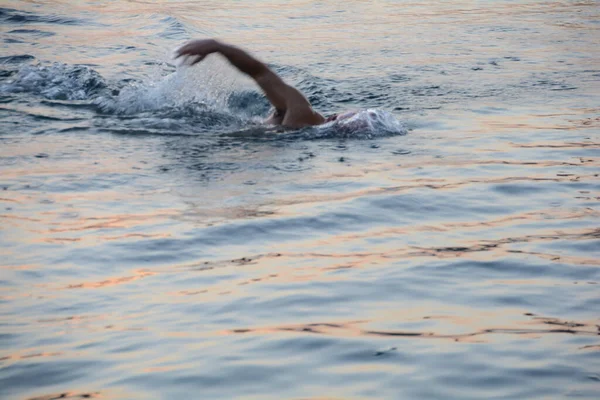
{"x": 158, "y": 242}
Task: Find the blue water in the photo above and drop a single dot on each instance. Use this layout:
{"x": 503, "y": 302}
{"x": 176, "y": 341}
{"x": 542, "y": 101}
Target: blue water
{"x": 158, "y": 241}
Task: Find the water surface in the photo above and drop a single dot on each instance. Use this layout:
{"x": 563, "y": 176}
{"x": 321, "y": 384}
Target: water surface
{"x": 158, "y": 242}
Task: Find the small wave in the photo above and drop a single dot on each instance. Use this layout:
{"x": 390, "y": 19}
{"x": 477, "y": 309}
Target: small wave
{"x": 17, "y": 59}
{"x": 8, "y": 15}
{"x": 32, "y": 32}
{"x": 172, "y": 28}
{"x": 187, "y": 119}
{"x": 55, "y": 82}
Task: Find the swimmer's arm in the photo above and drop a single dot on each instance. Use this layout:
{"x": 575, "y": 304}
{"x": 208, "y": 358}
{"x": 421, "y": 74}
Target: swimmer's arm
{"x": 286, "y": 99}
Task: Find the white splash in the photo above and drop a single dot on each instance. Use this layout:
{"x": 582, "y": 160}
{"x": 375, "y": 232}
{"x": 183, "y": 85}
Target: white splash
{"x": 363, "y": 124}
{"x": 209, "y": 83}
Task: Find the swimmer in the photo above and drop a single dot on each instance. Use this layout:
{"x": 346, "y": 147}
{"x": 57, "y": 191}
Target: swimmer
{"x": 291, "y": 108}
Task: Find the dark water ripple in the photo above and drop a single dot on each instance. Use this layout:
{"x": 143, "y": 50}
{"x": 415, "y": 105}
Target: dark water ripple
{"x": 11, "y": 16}
{"x": 158, "y": 241}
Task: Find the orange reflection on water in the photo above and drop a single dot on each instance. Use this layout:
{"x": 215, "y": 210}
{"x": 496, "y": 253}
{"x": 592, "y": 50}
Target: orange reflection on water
{"x": 290, "y": 271}
{"x": 139, "y": 274}
{"x": 20, "y": 267}
{"x": 119, "y": 221}
{"x": 14, "y": 357}
{"x": 136, "y": 236}
{"x": 59, "y": 240}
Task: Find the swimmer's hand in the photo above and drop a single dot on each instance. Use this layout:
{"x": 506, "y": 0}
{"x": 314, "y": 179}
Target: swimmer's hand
{"x": 198, "y": 49}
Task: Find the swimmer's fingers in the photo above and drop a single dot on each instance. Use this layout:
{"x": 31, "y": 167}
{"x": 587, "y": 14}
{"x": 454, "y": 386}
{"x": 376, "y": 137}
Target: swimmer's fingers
{"x": 185, "y": 50}
{"x": 200, "y": 48}
{"x": 187, "y": 55}
{"x": 198, "y": 59}
{"x": 187, "y": 60}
